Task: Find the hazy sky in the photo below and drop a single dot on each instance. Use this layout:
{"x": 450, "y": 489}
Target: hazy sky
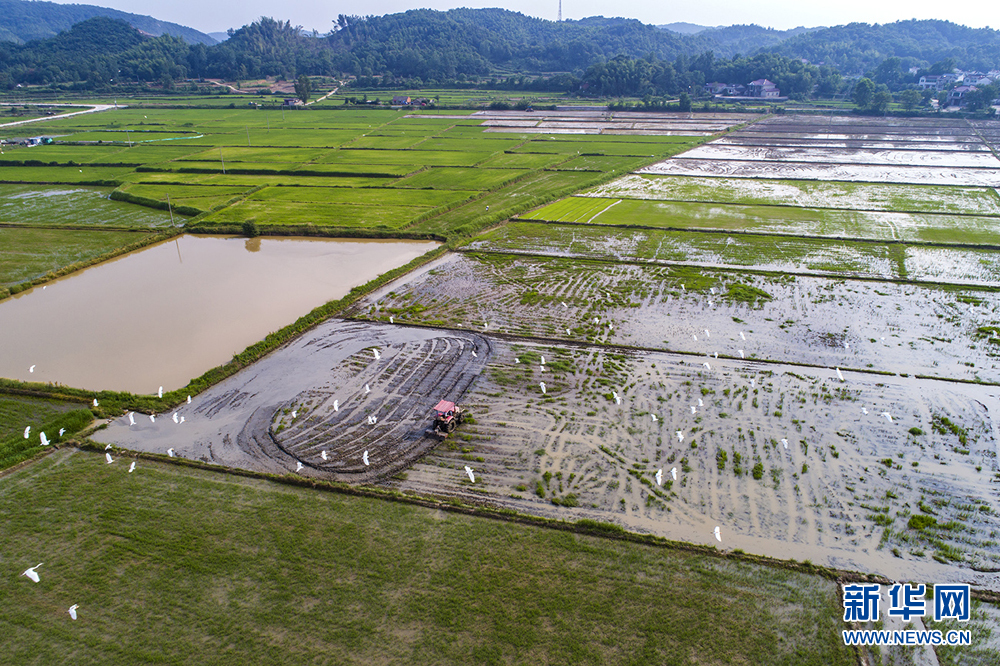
{"x": 780, "y": 14}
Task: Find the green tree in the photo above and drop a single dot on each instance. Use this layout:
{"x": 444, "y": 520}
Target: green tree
{"x": 685, "y": 102}
{"x": 303, "y": 88}
{"x": 864, "y": 91}
{"x": 881, "y": 99}
{"x": 910, "y": 98}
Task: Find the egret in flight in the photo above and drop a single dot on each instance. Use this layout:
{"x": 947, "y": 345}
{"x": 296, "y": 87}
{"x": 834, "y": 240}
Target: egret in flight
{"x": 680, "y": 436}
{"x": 364, "y": 457}
{"x": 31, "y": 369}
{"x": 31, "y": 573}
{"x": 336, "y": 404}
{"x": 472, "y": 477}
{"x": 673, "y": 472}
{"x": 72, "y": 610}
{"x": 44, "y": 439}
{"x": 27, "y": 432}
{"x": 322, "y": 454}
{"x": 718, "y": 535}
{"x": 131, "y": 468}
{"x": 659, "y": 477}
{"x": 542, "y": 384}
{"x": 131, "y": 418}
{"x": 95, "y": 402}
{"x": 108, "y": 458}
{"x": 170, "y": 452}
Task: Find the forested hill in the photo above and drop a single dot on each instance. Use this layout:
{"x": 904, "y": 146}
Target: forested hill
{"x": 22, "y": 21}
{"x": 425, "y": 42}
{"x": 859, "y": 47}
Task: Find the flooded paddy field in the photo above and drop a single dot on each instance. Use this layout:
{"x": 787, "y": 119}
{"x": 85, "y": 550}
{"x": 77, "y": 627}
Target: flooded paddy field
{"x": 899, "y": 151}
{"x": 165, "y": 314}
{"x": 865, "y": 325}
{"x": 788, "y": 461}
{"x": 78, "y": 206}
{"x": 806, "y": 194}
{"x": 349, "y": 401}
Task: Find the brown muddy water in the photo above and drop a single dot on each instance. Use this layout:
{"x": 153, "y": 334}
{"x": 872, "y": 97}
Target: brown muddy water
{"x": 168, "y": 313}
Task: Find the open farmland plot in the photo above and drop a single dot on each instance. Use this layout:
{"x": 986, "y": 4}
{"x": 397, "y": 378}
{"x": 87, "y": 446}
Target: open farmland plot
{"x": 774, "y": 220}
{"x": 750, "y": 153}
{"x": 279, "y": 213}
{"x": 366, "y": 580}
{"x": 72, "y": 206}
{"x": 804, "y": 193}
{"x": 868, "y": 325}
{"x": 31, "y": 253}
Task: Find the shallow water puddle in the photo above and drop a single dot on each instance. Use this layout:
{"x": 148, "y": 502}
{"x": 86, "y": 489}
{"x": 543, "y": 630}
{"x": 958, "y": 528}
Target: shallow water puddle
{"x": 168, "y": 313}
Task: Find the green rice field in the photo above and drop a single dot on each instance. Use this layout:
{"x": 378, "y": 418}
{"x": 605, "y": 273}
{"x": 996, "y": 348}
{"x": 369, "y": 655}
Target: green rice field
{"x": 180, "y": 566}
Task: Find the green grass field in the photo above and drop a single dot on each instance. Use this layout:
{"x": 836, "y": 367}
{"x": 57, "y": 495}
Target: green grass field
{"x": 773, "y": 219}
{"x": 70, "y": 205}
{"x": 30, "y": 253}
{"x": 179, "y": 566}
{"x": 18, "y": 411}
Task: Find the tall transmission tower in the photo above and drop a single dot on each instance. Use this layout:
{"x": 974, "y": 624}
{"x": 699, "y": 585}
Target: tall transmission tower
{"x": 560, "y": 12}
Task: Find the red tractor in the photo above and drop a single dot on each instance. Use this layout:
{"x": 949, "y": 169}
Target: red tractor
{"x": 448, "y": 417}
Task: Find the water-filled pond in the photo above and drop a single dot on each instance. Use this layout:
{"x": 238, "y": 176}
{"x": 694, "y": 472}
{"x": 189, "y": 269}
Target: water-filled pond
{"x": 166, "y": 314}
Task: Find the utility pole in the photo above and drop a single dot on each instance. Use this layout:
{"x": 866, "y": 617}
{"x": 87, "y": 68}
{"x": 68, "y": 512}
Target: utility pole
{"x": 560, "y": 12}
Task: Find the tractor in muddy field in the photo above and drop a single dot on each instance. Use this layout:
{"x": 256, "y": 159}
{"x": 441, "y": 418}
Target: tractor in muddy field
{"x": 447, "y": 417}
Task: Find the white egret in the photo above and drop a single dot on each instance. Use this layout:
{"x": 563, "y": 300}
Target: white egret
{"x": 27, "y": 432}
{"x": 694, "y": 410}
{"x": 322, "y": 454}
{"x": 864, "y": 410}
{"x": 391, "y": 321}
{"x": 673, "y": 473}
{"x": 189, "y": 400}
{"x": 61, "y": 431}
{"x": 597, "y": 320}
{"x": 839, "y": 375}
{"x": 107, "y": 448}
{"x": 542, "y": 384}
{"x": 565, "y": 306}
{"x": 486, "y": 325}
{"x": 472, "y": 477}
{"x": 716, "y": 354}
{"x": 95, "y": 402}
{"x": 31, "y": 573}
{"x": 31, "y": 369}
{"x": 170, "y": 452}
{"x": 753, "y": 382}
{"x": 707, "y": 366}
{"x": 707, "y": 334}
{"x": 364, "y": 457}
{"x": 784, "y": 443}
{"x": 72, "y": 610}
{"x": 152, "y": 418}
{"x": 131, "y": 468}
{"x": 695, "y": 337}
{"x": 159, "y": 394}
{"x": 700, "y": 403}
{"x": 175, "y": 417}
{"x": 617, "y": 398}
{"x": 543, "y": 360}
{"x": 718, "y": 535}
{"x": 517, "y": 360}
{"x": 659, "y": 477}
{"x": 683, "y": 288}
{"x": 654, "y": 417}
{"x": 847, "y": 346}
{"x": 43, "y": 439}
{"x": 336, "y": 404}
{"x": 567, "y": 332}
{"x": 377, "y": 355}
{"x": 743, "y": 337}
{"x": 741, "y": 353}
{"x": 887, "y": 416}
{"x": 108, "y": 458}
{"x": 712, "y": 289}
{"x": 182, "y": 419}
{"x": 474, "y": 355}
{"x": 680, "y": 436}
{"x": 298, "y": 465}
{"x": 367, "y": 390}
{"x": 294, "y": 413}
{"x": 131, "y": 418}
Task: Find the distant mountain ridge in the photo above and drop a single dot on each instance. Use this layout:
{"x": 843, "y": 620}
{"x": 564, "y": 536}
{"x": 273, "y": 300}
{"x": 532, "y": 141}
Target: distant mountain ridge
{"x": 22, "y": 21}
